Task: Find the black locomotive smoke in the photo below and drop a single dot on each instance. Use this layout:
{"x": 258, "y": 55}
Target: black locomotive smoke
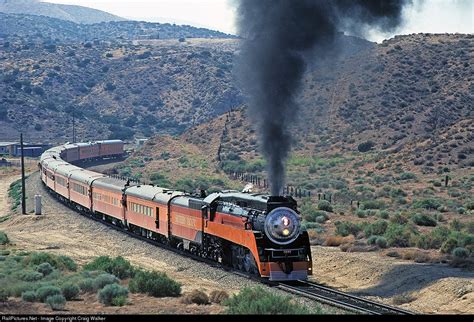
{"x": 277, "y": 34}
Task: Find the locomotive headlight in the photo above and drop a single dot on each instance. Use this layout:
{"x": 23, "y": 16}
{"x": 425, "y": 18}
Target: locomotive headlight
{"x": 282, "y": 225}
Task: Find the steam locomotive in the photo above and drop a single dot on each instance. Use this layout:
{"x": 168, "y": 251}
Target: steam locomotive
{"x": 254, "y": 233}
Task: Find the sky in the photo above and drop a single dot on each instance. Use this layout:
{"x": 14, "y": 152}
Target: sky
{"x": 428, "y": 16}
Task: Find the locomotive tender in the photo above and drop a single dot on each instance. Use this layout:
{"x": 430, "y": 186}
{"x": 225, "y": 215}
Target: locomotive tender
{"x": 255, "y": 233}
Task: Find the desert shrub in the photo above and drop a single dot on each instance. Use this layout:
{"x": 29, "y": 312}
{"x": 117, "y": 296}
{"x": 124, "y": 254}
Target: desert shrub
{"x": 117, "y": 266}
{"x": 407, "y": 176}
{"x": 197, "y": 297}
{"x": 45, "y": 268}
{"x": 30, "y": 276}
{"x": 373, "y": 204}
{"x": 377, "y": 228}
{"x": 3, "y": 295}
{"x": 456, "y": 225}
{"x": 461, "y": 210}
{"x": 3, "y": 238}
{"x": 70, "y": 291}
{"x": 218, "y": 296}
{"x": 448, "y": 246}
{"x": 155, "y": 284}
{"x": 28, "y": 296}
{"x": 325, "y": 205}
{"x": 430, "y": 204}
{"x": 56, "y": 302}
{"x": 371, "y": 240}
{"x": 337, "y": 240}
{"x": 469, "y": 205}
{"x": 399, "y": 219}
{"x": 360, "y": 213}
{"x": 424, "y": 220}
{"x": 438, "y": 236}
{"x": 86, "y": 285}
{"x": 119, "y": 301}
{"x": 381, "y": 242}
{"x": 111, "y": 291}
{"x": 397, "y": 235}
{"x": 384, "y": 214}
{"x": 103, "y": 280}
{"x": 43, "y": 292}
{"x": 365, "y": 146}
{"x": 258, "y": 301}
{"x": 460, "y": 252}
{"x": 59, "y": 262}
{"x": 346, "y": 228}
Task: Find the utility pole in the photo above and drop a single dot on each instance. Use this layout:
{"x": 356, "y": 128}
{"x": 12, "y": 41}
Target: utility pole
{"x": 73, "y": 127}
{"x": 23, "y": 197}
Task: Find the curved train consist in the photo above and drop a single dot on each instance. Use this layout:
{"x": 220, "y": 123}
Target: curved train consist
{"x": 254, "y": 233}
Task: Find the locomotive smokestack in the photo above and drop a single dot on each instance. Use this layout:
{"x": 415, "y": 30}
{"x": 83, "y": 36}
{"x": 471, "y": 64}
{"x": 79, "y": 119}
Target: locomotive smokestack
{"x": 277, "y": 35}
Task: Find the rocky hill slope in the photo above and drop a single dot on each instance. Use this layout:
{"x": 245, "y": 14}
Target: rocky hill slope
{"x": 75, "y": 14}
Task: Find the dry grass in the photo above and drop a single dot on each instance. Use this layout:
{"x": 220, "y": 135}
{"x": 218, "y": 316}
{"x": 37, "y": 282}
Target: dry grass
{"x": 338, "y": 240}
{"x": 417, "y": 256}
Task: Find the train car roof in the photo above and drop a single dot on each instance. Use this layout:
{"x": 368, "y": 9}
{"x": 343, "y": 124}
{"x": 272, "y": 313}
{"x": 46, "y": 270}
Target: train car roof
{"x": 70, "y": 145}
{"x": 86, "y": 144}
{"x": 110, "y": 142}
{"x": 85, "y": 176}
{"x": 50, "y": 161}
{"x": 109, "y": 183}
{"x": 65, "y": 169}
{"x": 152, "y": 193}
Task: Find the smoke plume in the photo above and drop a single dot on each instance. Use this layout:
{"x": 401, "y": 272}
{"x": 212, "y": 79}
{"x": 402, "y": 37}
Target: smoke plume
{"x": 277, "y": 34}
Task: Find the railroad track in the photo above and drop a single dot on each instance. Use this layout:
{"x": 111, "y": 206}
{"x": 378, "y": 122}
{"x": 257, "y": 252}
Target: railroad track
{"x": 303, "y": 288}
{"x": 340, "y": 299}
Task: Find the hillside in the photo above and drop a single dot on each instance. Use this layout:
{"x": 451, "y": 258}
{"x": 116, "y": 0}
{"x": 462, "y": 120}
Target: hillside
{"x": 123, "y": 82}
{"x": 75, "y": 14}
{"x": 379, "y": 133}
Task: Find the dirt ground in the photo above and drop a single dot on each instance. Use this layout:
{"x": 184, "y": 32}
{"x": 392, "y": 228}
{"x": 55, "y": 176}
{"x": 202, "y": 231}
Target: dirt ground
{"x": 435, "y": 288}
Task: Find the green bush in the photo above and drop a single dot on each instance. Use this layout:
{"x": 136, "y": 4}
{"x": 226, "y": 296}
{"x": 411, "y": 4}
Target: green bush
{"x": 371, "y": 240}
{"x": 397, "y": 235}
{"x": 45, "y": 269}
{"x": 448, "y": 246}
{"x": 430, "y": 204}
{"x": 154, "y": 284}
{"x": 111, "y": 291}
{"x": 118, "y": 266}
{"x": 28, "y": 296}
{"x": 438, "y": 236}
{"x": 365, "y": 146}
{"x": 3, "y": 238}
{"x": 378, "y": 228}
{"x": 461, "y": 210}
{"x": 258, "y": 301}
{"x": 59, "y": 262}
{"x": 424, "y": 220}
{"x": 346, "y": 228}
{"x": 399, "y": 219}
{"x": 469, "y": 205}
{"x": 87, "y": 285}
{"x": 56, "y": 302}
{"x": 460, "y": 252}
{"x": 30, "y": 276}
{"x": 43, "y": 292}
{"x": 325, "y": 205}
{"x": 373, "y": 204}
{"x": 3, "y": 295}
{"x": 384, "y": 214}
{"x": 119, "y": 301}
{"x": 407, "y": 176}
{"x": 456, "y": 225}
{"x": 360, "y": 213}
{"x": 103, "y": 280}
{"x": 70, "y": 291}
{"x": 381, "y": 242}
